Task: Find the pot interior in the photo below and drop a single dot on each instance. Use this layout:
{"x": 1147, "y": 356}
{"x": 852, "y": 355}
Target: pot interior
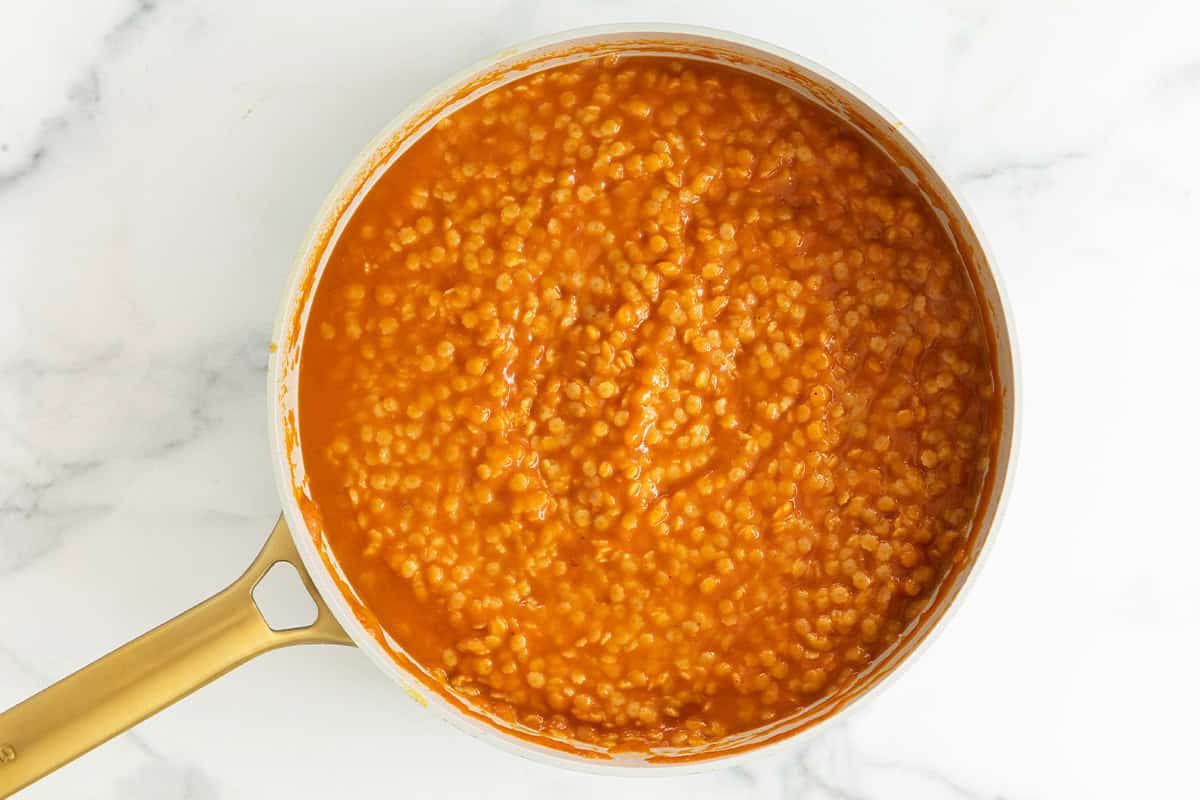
{"x": 812, "y": 83}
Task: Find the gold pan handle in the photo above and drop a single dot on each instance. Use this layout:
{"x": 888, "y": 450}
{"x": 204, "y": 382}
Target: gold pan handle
{"x": 150, "y": 673}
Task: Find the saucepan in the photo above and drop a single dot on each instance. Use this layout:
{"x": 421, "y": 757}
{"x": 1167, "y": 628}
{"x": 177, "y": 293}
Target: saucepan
{"x": 173, "y": 660}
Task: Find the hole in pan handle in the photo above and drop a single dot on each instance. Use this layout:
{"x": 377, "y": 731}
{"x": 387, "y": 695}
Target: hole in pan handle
{"x": 150, "y": 673}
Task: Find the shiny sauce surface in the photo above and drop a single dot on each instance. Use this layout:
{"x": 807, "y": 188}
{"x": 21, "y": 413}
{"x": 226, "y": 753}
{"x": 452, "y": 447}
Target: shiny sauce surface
{"x": 644, "y": 402}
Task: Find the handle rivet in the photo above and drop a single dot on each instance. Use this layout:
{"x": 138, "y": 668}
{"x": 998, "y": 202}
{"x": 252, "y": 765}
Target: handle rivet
{"x": 7, "y": 753}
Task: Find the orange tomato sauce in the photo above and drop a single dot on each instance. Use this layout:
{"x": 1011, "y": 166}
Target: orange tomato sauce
{"x": 644, "y": 402}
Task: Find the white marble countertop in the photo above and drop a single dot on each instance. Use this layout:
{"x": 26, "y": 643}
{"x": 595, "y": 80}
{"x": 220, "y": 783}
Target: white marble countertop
{"x": 159, "y": 163}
